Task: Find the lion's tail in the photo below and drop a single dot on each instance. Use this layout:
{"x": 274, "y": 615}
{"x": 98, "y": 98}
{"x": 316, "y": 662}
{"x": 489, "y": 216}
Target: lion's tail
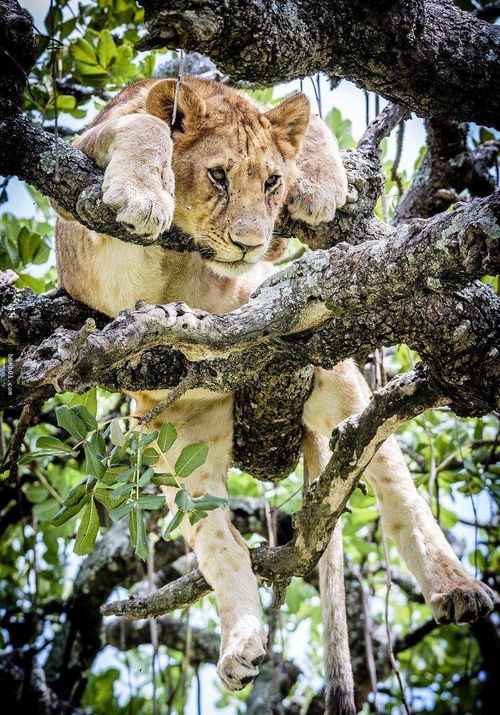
{"x": 339, "y": 695}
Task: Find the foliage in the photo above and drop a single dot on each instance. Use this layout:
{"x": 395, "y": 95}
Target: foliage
{"x": 82, "y": 469}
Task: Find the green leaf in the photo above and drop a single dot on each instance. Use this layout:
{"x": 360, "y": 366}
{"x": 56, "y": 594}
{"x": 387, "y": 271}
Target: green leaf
{"x": 191, "y": 457}
{"x": 173, "y": 524}
{"x": 45, "y": 510}
{"x": 164, "y": 480}
{"x": 183, "y": 501}
{"x": 141, "y": 548}
{"x": 120, "y": 511}
{"x": 125, "y": 476}
{"x": 53, "y": 443}
{"x": 167, "y": 437}
{"x": 110, "y": 476}
{"x": 71, "y": 422}
{"x": 103, "y": 495}
{"x": 123, "y": 63}
{"x": 209, "y": 502}
{"x": 122, "y": 491}
{"x": 67, "y": 512}
{"x": 147, "y": 439}
{"x": 150, "y": 456}
{"x": 35, "y": 493}
{"x": 98, "y": 442}
{"x": 132, "y": 526}
{"x": 40, "y": 454}
{"x": 83, "y": 51}
{"x": 117, "y": 435}
{"x": 117, "y": 455}
{"x": 87, "y": 531}
{"x": 106, "y": 49}
{"x": 76, "y": 493}
{"x": 85, "y": 415}
{"x": 146, "y": 477}
{"x": 28, "y": 243}
{"x": 195, "y": 516}
{"x": 90, "y": 483}
{"x": 65, "y": 101}
{"x": 93, "y": 464}
{"x": 151, "y": 501}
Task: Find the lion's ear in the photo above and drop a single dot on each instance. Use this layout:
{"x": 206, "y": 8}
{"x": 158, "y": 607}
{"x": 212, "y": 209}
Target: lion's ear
{"x": 161, "y": 99}
{"x": 289, "y": 121}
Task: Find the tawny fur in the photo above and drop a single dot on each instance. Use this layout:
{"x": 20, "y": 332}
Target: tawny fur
{"x": 233, "y": 223}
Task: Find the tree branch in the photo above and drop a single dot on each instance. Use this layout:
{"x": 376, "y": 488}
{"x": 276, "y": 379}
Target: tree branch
{"x": 428, "y": 55}
{"x": 448, "y": 164}
{"x": 444, "y": 252}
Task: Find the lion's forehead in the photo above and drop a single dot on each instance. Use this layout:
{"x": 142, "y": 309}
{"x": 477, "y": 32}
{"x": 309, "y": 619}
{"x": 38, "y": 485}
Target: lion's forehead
{"x": 243, "y": 144}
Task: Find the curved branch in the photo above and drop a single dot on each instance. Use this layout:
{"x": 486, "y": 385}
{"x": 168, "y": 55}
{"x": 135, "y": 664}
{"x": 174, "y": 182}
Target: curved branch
{"x": 448, "y": 164}
{"x": 428, "y": 55}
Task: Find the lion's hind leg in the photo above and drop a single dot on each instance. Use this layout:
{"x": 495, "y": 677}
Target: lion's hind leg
{"x": 451, "y": 593}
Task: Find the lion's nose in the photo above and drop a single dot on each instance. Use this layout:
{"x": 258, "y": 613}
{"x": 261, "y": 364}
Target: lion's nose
{"x": 247, "y": 241}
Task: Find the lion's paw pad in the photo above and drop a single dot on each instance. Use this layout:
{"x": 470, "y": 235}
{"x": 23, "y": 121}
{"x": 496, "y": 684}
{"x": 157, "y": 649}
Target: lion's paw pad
{"x": 464, "y": 603}
{"x": 245, "y": 651}
{"x": 313, "y": 204}
{"x": 145, "y": 211}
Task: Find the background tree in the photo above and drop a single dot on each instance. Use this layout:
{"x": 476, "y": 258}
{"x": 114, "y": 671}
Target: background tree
{"x": 59, "y": 374}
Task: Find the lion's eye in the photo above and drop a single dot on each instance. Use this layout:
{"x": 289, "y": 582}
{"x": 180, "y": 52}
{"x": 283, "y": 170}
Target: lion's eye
{"x": 218, "y": 175}
{"x": 272, "y": 181}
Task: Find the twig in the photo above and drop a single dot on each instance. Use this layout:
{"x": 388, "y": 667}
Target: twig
{"x": 382, "y": 126}
{"x": 367, "y": 632}
{"x": 395, "y": 176}
{"x": 187, "y": 384}
{"x": 178, "y": 83}
{"x": 390, "y": 651}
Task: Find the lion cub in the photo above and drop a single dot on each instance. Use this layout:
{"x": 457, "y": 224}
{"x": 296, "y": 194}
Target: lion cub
{"x": 234, "y": 166}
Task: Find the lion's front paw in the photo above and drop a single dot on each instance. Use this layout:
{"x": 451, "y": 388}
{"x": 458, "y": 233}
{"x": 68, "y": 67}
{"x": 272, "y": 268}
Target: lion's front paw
{"x": 464, "y": 603}
{"x": 314, "y": 202}
{"x": 244, "y": 652}
{"x": 145, "y": 211}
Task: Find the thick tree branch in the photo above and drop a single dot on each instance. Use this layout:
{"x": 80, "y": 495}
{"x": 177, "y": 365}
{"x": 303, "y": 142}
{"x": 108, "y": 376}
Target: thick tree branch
{"x": 74, "y": 181}
{"x": 428, "y": 55}
{"x": 347, "y": 282}
{"x": 448, "y": 164}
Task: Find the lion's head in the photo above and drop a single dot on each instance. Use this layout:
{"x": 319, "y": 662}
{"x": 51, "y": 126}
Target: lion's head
{"x": 233, "y": 166}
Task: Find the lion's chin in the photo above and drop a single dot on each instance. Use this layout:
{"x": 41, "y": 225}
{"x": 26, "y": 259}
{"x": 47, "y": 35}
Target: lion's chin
{"x": 230, "y": 269}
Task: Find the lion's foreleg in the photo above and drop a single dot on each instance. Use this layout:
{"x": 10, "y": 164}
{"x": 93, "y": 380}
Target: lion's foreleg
{"x": 136, "y": 152}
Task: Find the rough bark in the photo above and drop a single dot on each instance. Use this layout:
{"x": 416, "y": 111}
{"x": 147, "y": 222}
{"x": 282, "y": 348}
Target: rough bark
{"x": 345, "y": 282}
{"x": 447, "y": 169}
{"x": 24, "y": 687}
{"x": 428, "y": 55}
{"x": 18, "y": 52}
